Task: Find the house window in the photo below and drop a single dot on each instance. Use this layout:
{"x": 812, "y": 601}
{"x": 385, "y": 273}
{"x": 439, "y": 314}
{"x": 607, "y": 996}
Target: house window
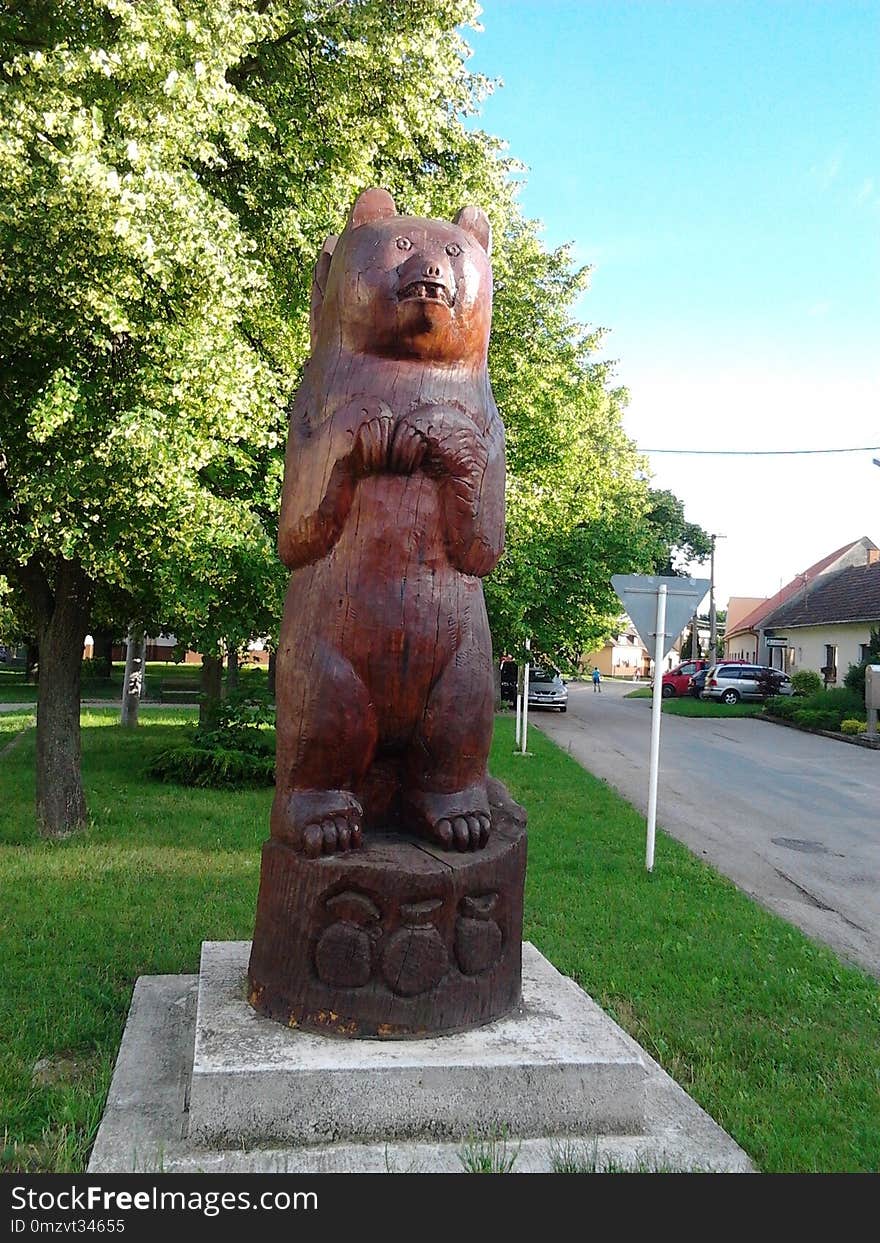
{"x": 864, "y": 652}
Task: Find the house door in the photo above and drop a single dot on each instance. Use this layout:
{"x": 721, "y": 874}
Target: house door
{"x": 829, "y": 669}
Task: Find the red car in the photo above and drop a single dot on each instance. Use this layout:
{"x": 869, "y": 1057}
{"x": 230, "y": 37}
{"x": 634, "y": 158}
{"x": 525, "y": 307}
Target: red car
{"x": 677, "y": 681}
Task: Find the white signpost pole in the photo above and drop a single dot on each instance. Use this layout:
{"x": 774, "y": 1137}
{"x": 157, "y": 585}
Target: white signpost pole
{"x": 518, "y": 710}
{"x": 656, "y": 709}
{"x": 525, "y": 706}
{"x": 666, "y": 603}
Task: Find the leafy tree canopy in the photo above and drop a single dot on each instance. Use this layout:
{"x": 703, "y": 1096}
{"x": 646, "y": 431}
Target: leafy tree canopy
{"x": 168, "y": 172}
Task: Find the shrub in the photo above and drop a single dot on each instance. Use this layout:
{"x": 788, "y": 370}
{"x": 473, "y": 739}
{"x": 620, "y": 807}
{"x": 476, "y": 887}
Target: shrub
{"x": 806, "y": 682}
{"x": 854, "y": 678}
{"x": 235, "y": 750}
{"x": 93, "y": 668}
{"x": 852, "y": 726}
{"x": 817, "y": 718}
{"x": 783, "y": 706}
{"x": 213, "y": 766}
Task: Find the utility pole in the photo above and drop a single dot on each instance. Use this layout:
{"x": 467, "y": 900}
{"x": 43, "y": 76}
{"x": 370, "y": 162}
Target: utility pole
{"x": 713, "y": 636}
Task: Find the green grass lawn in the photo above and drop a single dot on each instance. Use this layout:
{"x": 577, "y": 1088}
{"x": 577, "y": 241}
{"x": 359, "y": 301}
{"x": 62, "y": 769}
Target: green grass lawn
{"x": 686, "y": 705}
{"x": 12, "y": 723}
{"x": 769, "y": 1032}
{"x": 14, "y": 689}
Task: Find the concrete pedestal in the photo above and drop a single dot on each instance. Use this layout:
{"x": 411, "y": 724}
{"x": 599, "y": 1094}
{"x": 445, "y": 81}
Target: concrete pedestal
{"x": 203, "y": 1083}
{"x": 553, "y": 1067}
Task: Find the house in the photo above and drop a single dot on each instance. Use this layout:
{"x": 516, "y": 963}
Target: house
{"x": 821, "y": 620}
{"x": 623, "y": 655}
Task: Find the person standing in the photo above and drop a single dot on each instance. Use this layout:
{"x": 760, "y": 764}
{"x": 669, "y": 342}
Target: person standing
{"x": 597, "y": 681}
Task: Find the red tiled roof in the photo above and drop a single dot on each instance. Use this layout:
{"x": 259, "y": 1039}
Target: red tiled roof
{"x": 754, "y": 619}
{"x": 849, "y": 595}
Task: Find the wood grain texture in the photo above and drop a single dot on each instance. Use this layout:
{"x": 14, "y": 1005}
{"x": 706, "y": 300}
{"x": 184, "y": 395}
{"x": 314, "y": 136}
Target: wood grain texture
{"x": 399, "y": 940}
{"x": 392, "y": 512}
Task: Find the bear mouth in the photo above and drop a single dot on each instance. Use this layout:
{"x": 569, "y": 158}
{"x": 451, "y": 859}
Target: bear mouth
{"x": 426, "y": 291}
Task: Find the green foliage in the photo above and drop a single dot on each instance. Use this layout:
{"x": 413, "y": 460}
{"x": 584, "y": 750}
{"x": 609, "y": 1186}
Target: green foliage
{"x": 214, "y": 767}
{"x": 850, "y": 725}
{"x": 167, "y": 177}
{"x": 806, "y": 682}
{"x": 234, "y": 750}
{"x": 854, "y": 679}
{"x": 817, "y": 718}
{"x": 824, "y": 709}
{"x": 784, "y": 706}
{"x": 673, "y": 541}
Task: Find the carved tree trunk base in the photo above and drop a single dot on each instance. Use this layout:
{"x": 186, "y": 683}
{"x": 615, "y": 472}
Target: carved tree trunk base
{"x": 397, "y": 940}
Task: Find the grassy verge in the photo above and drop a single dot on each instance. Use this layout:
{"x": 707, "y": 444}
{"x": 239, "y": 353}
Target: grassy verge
{"x": 686, "y": 705}
{"x": 767, "y": 1030}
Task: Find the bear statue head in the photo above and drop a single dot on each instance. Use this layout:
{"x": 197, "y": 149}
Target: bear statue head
{"x": 405, "y": 287}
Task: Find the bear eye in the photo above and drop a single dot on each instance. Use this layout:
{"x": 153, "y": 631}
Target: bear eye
{"x": 453, "y": 249}
{"x": 403, "y": 243}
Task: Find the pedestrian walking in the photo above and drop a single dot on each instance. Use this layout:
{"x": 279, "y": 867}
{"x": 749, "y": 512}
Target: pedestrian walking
{"x": 597, "y": 681}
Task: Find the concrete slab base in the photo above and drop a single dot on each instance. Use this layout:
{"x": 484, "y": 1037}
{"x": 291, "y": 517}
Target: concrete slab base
{"x": 203, "y": 1083}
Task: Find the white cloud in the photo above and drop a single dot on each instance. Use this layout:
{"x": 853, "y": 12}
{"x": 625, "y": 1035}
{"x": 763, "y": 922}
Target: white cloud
{"x": 827, "y": 172}
{"x": 866, "y": 192}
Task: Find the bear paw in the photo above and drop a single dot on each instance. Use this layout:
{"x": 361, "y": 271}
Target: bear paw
{"x": 460, "y": 821}
{"x": 319, "y": 822}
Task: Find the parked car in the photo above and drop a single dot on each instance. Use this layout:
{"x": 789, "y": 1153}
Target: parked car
{"x": 677, "y": 680}
{"x": 731, "y": 683}
{"x": 547, "y": 689}
{"x": 697, "y": 682}
{"x": 509, "y": 675}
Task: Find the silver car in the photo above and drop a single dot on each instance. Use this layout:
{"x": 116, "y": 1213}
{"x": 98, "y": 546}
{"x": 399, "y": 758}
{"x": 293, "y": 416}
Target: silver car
{"x": 732, "y": 683}
{"x": 547, "y": 689}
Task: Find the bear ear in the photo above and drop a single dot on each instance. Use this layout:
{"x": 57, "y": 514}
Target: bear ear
{"x": 319, "y": 285}
{"x": 372, "y": 204}
{"x": 475, "y": 221}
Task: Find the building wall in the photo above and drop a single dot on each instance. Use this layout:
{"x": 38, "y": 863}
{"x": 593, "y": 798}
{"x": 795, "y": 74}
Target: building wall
{"x": 618, "y": 660}
{"x": 807, "y": 645}
{"x": 742, "y": 647}
{"x": 739, "y": 607}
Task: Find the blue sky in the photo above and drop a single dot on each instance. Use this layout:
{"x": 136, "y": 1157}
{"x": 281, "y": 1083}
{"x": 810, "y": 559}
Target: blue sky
{"x": 718, "y": 166}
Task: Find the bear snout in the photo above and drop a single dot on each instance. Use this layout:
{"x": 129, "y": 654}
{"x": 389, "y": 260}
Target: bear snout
{"x": 426, "y": 278}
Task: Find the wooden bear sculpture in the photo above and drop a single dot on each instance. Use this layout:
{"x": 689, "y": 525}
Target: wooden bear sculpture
{"x": 391, "y": 888}
{"x": 393, "y": 508}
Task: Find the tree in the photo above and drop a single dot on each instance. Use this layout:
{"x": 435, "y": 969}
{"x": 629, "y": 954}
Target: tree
{"x": 855, "y": 677}
{"x": 167, "y": 177}
{"x": 126, "y": 368}
{"x": 672, "y": 540}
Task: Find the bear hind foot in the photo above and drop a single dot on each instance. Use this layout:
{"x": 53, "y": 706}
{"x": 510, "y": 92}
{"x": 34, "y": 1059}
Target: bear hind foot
{"x": 460, "y": 821}
{"x": 320, "y": 822}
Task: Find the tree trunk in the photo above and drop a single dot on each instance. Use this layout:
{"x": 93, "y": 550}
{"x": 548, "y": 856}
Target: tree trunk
{"x": 231, "y": 670}
{"x": 212, "y": 686}
{"x": 271, "y": 674}
{"x": 61, "y": 610}
{"x": 133, "y": 683}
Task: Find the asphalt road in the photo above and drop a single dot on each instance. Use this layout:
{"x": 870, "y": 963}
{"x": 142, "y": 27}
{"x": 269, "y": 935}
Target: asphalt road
{"x": 792, "y": 818}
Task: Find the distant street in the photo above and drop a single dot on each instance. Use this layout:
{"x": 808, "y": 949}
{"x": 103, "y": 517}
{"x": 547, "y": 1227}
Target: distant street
{"x": 792, "y": 818}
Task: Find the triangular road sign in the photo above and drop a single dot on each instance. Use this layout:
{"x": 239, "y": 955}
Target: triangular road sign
{"x": 638, "y": 595}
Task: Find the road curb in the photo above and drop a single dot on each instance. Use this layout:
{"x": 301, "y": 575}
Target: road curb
{"x": 852, "y": 739}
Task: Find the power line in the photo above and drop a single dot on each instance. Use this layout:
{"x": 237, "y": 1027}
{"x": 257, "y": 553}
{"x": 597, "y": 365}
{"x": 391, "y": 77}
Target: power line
{"x": 761, "y": 452}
